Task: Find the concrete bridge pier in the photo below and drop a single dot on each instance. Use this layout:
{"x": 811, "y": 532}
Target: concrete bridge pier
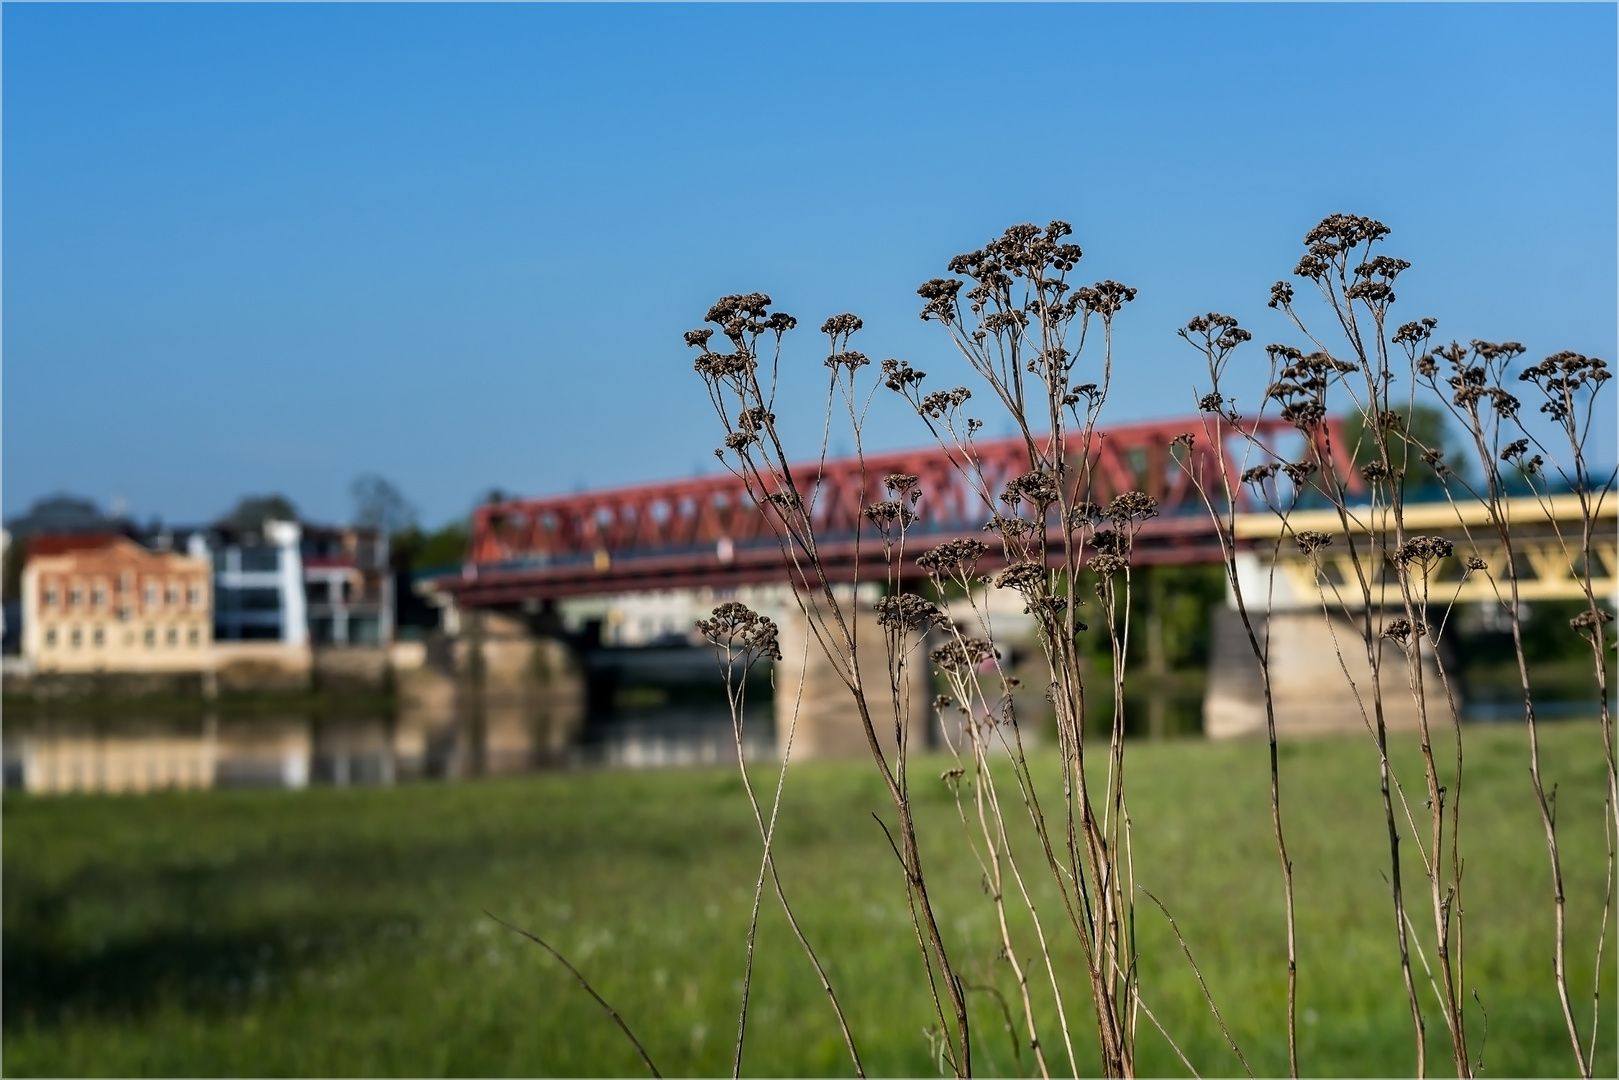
{"x": 1310, "y": 689}
{"x": 810, "y": 690}
{"x": 496, "y": 698}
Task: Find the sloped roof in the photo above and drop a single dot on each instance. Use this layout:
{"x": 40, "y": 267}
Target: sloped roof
{"x": 62, "y": 544}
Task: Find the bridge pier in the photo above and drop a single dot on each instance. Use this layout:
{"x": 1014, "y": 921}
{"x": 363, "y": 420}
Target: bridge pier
{"x": 497, "y": 698}
{"x": 815, "y": 705}
{"x": 1314, "y": 656}
{"x": 1310, "y": 691}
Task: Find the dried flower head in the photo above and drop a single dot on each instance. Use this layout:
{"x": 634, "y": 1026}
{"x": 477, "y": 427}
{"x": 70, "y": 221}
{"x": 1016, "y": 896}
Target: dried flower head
{"x": 713, "y": 365}
{"x": 1111, "y": 542}
{"x": 1047, "y": 607}
{"x": 745, "y": 316}
{"x": 963, "y": 654}
{"x": 1562, "y": 376}
{"x": 897, "y": 375}
{"x": 1029, "y": 577}
{"x": 1105, "y": 565}
{"x": 1424, "y": 551}
{"x": 1310, "y": 541}
{"x": 1220, "y": 333}
{"x": 1474, "y": 562}
{"x": 785, "y": 500}
{"x": 939, "y": 403}
{"x": 1590, "y": 619}
{"x": 940, "y": 294}
{"x": 841, "y": 326}
{"x": 1011, "y": 529}
{"x": 755, "y": 419}
{"x": 890, "y": 514}
{"x": 1415, "y": 334}
{"x": 1435, "y": 459}
{"x": 1088, "y": 391}
{"x": 1131, "y": 506}
{"x": 1039, "y": 486}
{"x": 952, "y": 556}
{"x": 737, "y": 628}
{"x": 1083, "y": 514}
{"x": 1299, "y": 471}
{"x": 1105, "y": 298}
{"x": 907, "y": 611}
{"x": 850, "y": 360}
{"x": 1304, "y": 414}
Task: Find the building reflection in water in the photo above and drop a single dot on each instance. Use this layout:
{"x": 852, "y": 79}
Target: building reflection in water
{"x": 497, "y": 701}
{"x": 291, "y": 753}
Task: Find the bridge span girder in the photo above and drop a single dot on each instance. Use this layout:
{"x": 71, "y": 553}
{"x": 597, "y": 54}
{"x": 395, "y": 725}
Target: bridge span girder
{"x": 711, "y": 532}
{"x": 1545, "y": 536}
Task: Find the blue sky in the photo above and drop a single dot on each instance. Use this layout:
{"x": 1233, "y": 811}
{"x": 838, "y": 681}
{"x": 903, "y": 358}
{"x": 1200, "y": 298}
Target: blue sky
{"x": 253, "y": 248}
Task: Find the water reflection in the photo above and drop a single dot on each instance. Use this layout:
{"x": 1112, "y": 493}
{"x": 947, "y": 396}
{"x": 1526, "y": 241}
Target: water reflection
{"x": 59, "y": 757}
{"x": 674, "y": 735}
{"x": 264, "y": 752}
{"x": 516, "y": 709}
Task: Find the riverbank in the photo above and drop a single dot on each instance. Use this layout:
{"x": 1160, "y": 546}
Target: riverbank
{"x": 341, "y": 931}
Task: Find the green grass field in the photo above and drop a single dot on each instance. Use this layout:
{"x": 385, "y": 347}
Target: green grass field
{"x": 337, "y": 932}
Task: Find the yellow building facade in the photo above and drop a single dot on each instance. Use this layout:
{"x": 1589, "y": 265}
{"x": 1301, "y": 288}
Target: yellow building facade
{"x": 106, "y": 604}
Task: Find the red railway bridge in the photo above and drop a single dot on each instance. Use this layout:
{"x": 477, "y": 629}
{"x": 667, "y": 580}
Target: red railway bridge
{"x": 710, "y": 532}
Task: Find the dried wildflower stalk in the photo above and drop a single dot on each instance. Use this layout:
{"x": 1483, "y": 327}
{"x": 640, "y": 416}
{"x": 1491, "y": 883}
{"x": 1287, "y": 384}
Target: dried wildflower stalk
{"x": 742, "y": 637}
{"x": 1356, "y": 283}
{"x": 1021, "y": 326}
{"x": 1470, "y": 381}
{"x": 742, "y": 387}
{"x": 1217, "y": 337}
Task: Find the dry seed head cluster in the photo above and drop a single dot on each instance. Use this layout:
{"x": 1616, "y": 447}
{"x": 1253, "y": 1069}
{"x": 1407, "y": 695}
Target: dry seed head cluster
{"x": 739, "y": 628}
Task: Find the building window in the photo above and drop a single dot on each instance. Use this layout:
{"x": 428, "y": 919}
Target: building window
{"x": 365, "y": 630}
{"x": 98, "y": 637}
{"x": 151, "y": 595}
{"x": 50, "y": 595}
{"x": 76, "y": 638}
{"x": 75, "y": 596}
{"x": 151, "y": 637}
{"x": 192, "y": 637}
{"x": 194, "y": 596}
{"x": 261, "y": 559}
{"x": 173, "y": 595}
{"x": 123, "y": 614}
{"x": 98, "y": 595}
{"x": 172, "y": 637}
{"x": 50, "y": 637}
{"x": 259, "y": 599}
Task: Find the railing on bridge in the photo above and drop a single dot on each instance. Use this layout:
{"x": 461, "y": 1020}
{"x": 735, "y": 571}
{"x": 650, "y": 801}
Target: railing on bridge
{"x": 710, "y": 531}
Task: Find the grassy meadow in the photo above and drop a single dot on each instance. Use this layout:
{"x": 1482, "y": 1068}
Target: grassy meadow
{"x": 338, "y": 932}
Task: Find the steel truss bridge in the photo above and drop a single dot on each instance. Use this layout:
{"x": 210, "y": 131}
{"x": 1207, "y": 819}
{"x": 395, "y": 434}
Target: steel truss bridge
{"x": 711, "y": 532}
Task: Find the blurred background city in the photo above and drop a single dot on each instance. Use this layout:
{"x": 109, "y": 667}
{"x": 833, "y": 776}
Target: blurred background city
{"x": 351, "y": 454}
